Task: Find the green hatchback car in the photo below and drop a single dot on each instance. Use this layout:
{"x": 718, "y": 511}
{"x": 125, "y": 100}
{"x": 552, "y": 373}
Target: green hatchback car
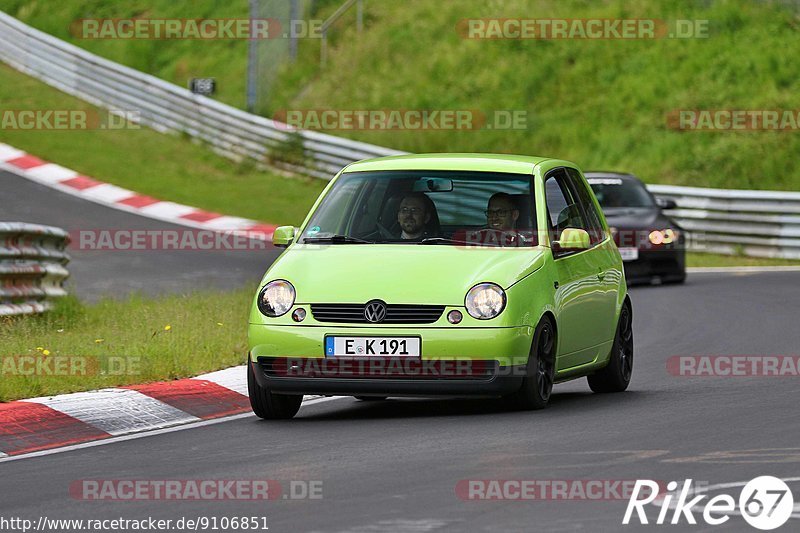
{"x": 443, "y": 274}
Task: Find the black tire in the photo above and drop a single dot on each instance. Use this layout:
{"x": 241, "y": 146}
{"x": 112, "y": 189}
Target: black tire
{"x": 537, "y": 385}
{"x": 268, "y": 405}
{"x": 616, "y": 376}
{"x": 370, "y": 398}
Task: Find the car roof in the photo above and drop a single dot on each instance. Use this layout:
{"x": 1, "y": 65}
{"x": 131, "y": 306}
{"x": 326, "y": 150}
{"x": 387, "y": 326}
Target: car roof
{"x": 515, "y": 164}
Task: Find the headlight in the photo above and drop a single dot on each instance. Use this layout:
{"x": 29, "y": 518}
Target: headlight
{"x": 485, "y": 301}
{"x": 667, "y": 236}
{"x": 276, "y": 298}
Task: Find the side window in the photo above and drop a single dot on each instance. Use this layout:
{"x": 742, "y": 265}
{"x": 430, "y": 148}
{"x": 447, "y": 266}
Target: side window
{"x": 596, "y": 233}
{"x": 563, "y": 208}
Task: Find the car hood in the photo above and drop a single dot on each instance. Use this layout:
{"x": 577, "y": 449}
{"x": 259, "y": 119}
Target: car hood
{"x": 637, "y": 218}
{"x": 404, "y": 273}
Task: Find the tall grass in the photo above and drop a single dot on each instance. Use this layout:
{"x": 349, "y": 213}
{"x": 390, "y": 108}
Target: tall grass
{"x": 152, "y": 339}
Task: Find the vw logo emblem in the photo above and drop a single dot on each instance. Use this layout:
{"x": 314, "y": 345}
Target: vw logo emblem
{"x": 375, "y": 311}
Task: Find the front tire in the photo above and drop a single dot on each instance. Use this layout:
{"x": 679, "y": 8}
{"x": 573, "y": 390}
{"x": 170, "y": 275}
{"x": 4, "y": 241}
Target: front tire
{"x": 268, "y": 405}
{"x": 537, "y": 385}
{"x": 616, "y": 376}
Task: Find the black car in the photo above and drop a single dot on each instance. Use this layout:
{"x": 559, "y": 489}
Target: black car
{"x": 652, "y": 245}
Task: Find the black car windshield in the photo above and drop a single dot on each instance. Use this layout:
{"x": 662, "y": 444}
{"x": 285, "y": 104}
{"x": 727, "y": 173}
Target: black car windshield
{"x": 425, "y": 207}
{"x": 618, "y": 192}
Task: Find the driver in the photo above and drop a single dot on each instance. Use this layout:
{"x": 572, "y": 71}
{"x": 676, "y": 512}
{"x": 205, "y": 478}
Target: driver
{"x": 413, "y": 215}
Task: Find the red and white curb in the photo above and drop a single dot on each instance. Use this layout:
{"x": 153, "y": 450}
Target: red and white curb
{"x": 71, "y": 182}
{"x": 38, "y": 424}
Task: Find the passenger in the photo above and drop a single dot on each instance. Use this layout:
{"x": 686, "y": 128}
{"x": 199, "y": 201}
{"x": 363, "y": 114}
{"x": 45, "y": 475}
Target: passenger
{"x": 502, "y": 213}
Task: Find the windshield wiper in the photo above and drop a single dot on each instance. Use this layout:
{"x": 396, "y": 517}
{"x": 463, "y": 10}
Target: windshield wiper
{"x": 336, "y": 239}
{"x": 441, "y": 240}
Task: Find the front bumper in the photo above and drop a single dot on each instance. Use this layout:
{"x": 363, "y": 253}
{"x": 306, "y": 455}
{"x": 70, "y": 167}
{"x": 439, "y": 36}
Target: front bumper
{"x": 454, "y": 362}
{"x": 666, "y": 265}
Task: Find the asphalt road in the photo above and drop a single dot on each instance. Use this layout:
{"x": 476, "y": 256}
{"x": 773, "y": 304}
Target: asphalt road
{"x": 95, "y": 273}
{"x": 394, "y": 466}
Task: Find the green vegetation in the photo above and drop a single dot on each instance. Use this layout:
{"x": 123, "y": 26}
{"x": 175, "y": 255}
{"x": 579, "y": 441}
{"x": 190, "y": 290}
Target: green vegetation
{"x": 697, "y": 259}
{"x": 175, "y": 337}
{"x": 602, "y": 103}
{"x": 167, "y": 167}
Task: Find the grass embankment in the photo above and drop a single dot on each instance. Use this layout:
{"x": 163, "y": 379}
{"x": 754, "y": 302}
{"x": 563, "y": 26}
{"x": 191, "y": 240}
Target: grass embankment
{"x": 698, "y": 259}
{"x": 167, "y": 167}
{"x": 113, "y": 343}
{"x": 601, "y": 103}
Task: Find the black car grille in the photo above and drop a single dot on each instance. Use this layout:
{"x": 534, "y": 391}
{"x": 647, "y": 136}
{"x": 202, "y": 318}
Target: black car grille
{"x": 395, "y": 313}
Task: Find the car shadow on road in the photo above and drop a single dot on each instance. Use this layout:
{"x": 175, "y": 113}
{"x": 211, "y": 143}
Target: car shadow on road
{"x": 393, "y": 408}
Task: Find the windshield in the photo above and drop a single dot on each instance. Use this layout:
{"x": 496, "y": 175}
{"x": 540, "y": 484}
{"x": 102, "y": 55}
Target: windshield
{"x": 618, "y": 192}
{"x": 426, "y": 207}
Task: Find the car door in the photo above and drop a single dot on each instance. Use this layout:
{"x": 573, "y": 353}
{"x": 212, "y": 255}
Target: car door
{"x": 578, "y": 294}
{"x": 604, "y": 260}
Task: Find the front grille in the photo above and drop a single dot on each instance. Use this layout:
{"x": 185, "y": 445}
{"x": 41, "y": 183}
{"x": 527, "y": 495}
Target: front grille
{"x": 395, "y": 313}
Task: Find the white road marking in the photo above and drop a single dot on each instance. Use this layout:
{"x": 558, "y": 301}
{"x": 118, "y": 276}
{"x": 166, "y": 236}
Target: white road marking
{"x": 8, "y": 153}
{"x": 234, "y": 378}
{"x": 134, "y": 436}
{"x": 107, "y": 193}
{"x": 226, "y": 223}
{"x": 117, "y": 411}
{"x": 168, "y": 210}
{"x": 51, "y": 173}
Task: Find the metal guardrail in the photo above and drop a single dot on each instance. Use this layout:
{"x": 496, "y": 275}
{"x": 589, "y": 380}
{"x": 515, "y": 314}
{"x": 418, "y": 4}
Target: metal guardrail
{"x": 169, "y": 108}
{"x": 32, "y": 267}
{"x": 738, "y": 222}
{"x": 757, "y": 223}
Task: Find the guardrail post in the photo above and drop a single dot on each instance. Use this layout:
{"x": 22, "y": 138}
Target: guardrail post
{"x": 323, "y": 48}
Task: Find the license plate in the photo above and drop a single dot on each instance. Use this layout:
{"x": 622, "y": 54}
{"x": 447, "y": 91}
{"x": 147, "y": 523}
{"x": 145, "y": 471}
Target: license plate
{"x": 372, "y": 346}
{"x": 629, "y": 254}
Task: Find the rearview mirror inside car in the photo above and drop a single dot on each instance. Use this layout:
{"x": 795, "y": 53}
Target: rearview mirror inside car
{"x": 433, "y": 185}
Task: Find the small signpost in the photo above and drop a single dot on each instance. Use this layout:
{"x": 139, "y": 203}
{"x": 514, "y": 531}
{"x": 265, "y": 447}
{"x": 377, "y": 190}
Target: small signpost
{"x": 204, "y": 86}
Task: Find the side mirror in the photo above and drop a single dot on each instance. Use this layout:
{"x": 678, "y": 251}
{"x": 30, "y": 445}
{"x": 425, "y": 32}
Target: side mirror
{"x": 283, "y": 236}
{"x": 572, "y": 239}
{"x": 666, "y": 203}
